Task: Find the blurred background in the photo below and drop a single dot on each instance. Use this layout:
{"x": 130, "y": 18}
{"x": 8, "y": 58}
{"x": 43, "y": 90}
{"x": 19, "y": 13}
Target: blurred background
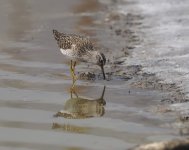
{"x": 146, "y": 45}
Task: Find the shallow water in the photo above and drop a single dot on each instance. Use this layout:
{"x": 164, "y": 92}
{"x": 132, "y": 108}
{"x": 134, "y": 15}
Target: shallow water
{"x": 35, "y": 83}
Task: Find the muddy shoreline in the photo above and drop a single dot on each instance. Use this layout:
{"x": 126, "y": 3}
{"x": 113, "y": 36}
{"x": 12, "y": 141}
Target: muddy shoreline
{"x": 125, "y": 28}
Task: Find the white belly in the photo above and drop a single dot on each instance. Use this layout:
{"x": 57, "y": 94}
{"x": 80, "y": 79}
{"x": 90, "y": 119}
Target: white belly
{"x": 66, "y": 52}
{"x": 71, "y": 55}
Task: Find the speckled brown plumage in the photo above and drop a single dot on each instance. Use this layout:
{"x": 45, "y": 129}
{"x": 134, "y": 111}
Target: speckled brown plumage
{"x": 79, "y": 44}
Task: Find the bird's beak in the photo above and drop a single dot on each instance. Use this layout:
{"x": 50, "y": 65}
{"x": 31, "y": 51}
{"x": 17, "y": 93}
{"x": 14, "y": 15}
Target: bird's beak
{"x": 102, "y": 67}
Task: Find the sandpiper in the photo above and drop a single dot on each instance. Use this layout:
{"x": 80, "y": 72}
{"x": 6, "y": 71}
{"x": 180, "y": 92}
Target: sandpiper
{"x": 79, "y": 48}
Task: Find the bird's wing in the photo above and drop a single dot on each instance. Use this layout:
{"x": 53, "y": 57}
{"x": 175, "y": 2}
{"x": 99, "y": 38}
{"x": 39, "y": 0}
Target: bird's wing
{"x": 79, "y": 43}
{"x": 84, "y": 45}
{"x": 63, "y": 40}
{"x": 69, "y": 41}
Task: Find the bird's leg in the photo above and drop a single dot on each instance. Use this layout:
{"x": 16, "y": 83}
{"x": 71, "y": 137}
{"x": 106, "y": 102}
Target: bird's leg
{"x": 72, "y": 91}
{"x": 72, "y": 70}
{"x": 72, "y": 74}
{"x": 75, "y": 77}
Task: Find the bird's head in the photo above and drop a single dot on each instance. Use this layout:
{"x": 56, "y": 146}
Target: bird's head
{"x": 101, "y": 61}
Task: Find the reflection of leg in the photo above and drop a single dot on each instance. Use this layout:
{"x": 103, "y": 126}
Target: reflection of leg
{"x": 72, "y": 91}
{"x": 75, "y": 94}
{"x": 72, "y": 75}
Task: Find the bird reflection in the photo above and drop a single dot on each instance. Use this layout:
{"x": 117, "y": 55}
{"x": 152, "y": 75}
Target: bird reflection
{"x": 79, "y": 108}
{"x": 71, "y": 128}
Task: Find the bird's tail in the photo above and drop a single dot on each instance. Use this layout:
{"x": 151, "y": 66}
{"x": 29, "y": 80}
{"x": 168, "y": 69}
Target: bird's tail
{"x": 56, "y": 34}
